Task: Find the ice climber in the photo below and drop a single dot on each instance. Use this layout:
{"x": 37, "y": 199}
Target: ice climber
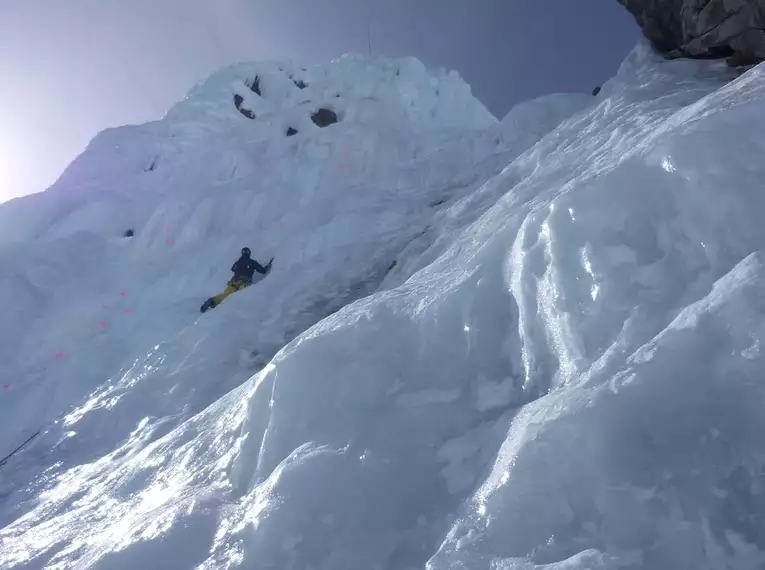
{"x": 243, "y": 269}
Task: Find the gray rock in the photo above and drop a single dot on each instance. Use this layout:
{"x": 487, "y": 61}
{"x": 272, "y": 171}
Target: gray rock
{"x": 702, "y": 28}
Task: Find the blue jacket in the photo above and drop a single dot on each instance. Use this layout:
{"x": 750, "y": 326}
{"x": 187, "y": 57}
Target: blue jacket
{"x": 245, "y": 268}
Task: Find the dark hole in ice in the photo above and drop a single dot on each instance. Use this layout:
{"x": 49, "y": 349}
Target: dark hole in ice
{"x": 299, "y": 82}
{"x": 254, "y": 85}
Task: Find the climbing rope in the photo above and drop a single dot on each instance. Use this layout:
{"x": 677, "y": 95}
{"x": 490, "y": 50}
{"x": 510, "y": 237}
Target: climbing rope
{"x": 5, "y": 459}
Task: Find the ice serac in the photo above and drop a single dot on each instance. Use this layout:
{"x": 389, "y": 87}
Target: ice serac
{"x": 532, "y": 344}
{"x": 702, "y": 28}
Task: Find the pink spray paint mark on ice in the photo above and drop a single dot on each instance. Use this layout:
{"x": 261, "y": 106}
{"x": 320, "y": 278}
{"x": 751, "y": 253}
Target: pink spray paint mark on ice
{"x": 127, "y": 310}
{"x": 169, "y": 241}
{"x": 124, "y": 293}
{"x": 103, "y": 324}
{"x": 6, "y": 386}
{"x": 61, "y": 354}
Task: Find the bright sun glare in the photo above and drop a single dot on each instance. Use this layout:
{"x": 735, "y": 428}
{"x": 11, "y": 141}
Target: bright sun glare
{"x": 5, "y": 178}
{"x": 12, "y": 164}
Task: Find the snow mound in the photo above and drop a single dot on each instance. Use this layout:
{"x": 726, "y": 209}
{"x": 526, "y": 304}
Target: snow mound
{"x": 516, "y": 345}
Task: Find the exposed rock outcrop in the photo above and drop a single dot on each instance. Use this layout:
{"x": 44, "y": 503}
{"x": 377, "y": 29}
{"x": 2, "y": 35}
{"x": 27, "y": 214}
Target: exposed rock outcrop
{"x": 703, "y": 28}
{"x": 324, "y": 118}
{"x": 238, "y": 100}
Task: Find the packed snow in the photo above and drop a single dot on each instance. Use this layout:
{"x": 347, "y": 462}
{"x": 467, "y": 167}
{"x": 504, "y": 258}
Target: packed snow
{"x": 526, "y": 344}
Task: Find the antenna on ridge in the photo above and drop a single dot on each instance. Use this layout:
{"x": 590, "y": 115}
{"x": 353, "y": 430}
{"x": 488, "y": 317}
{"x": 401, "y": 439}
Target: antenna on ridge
{"x": 369, "y": 36}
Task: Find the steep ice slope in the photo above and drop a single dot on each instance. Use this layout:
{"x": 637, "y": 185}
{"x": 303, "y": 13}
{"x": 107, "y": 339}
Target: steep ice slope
{"x": 103, "y": 351}
{"x": 334, "y": 205}
{"x": 563, "y": 369}
{"x": 586, "y": 353}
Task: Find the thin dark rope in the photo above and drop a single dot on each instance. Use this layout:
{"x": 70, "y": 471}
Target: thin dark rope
{"x": 5, "y": 459}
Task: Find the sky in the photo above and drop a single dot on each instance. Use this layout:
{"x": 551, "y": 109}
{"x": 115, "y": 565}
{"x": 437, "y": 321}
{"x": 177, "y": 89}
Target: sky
{"x": 69, "y": 69}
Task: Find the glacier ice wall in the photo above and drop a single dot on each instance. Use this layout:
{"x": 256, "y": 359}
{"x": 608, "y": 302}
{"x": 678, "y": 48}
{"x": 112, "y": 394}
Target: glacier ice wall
{"x": 562, "y": 368}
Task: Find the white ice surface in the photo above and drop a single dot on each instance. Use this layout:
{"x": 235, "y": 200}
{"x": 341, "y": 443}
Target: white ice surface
{"x": 562, "y": 369}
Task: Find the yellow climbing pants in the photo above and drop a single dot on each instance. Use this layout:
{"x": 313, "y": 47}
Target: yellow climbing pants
{"x": 233, "y": 287}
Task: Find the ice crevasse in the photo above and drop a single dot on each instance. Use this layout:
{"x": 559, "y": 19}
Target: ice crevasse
{"x": 532, "y": 343}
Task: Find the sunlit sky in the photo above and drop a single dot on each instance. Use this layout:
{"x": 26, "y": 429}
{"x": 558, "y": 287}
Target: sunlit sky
{"x": 69, "y": 69}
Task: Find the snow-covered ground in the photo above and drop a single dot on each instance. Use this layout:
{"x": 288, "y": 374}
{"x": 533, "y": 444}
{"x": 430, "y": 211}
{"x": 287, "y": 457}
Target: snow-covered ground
{"x": 523, "y": 344}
